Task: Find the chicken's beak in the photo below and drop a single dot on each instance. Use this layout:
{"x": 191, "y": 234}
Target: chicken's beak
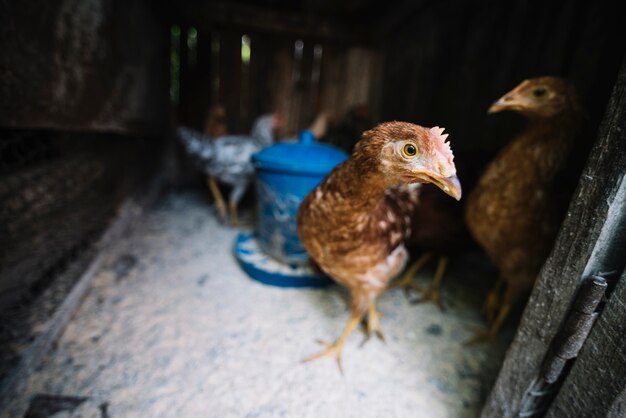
{"x": 506, "y": 102}
{"x": 513, "y": 100}
{"x": 449, "y": 185}
{"x": 497, "y": 106}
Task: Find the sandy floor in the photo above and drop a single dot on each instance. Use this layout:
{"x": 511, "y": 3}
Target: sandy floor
{"x": 173, "y": 328}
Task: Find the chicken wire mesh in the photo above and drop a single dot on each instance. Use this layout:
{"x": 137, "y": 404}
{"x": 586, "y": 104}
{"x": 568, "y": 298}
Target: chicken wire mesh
{"x": 58, "y": 192}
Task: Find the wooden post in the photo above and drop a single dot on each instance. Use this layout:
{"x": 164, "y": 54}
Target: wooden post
{"x": 591, "y": 209}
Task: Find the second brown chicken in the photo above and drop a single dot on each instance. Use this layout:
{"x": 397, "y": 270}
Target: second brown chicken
{"x": 515, "y": 210}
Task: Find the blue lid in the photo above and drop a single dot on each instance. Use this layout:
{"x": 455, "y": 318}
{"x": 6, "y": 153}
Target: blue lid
{"x": 300, "y": 157}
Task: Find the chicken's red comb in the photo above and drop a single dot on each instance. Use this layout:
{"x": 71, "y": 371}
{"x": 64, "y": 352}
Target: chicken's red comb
{"x": 440, "y": 142}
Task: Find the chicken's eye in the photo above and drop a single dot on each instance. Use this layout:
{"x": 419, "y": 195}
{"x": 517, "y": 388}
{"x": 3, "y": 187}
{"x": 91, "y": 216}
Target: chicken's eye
{"x": 539, "y": 92}
{"x": 409, "y": 150}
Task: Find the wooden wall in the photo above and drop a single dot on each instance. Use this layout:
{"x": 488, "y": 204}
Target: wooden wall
{"x": 83, "y": 104}
{"x": 95, "y": 65}
{"x": 299, "y": 83}
{"x": 446, "y": 61}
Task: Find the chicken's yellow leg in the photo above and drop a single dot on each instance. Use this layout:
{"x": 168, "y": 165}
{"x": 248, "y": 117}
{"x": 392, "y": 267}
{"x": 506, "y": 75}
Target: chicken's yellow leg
{"x": 373, "y": 322}
{"x": 492, "y": 301}
{"x": 335, "y": 348}
{"x": 217, "y": 195}
{"x": 489, "y": 335}
{"x": 432, "y": 293}
{"x": 232, "y": 207}
{"x": 406, "y": 281}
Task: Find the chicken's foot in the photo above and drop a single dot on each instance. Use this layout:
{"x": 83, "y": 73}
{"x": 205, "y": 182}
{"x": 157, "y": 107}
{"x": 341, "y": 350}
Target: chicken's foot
{"x": 217, "y": 196}
{"x": 407, "y": 281}
{"x": 373, "y": 323}
{"x": 433, "y": 292}
{"x": 336, "y": 348}
{"x": 490, "y": 334}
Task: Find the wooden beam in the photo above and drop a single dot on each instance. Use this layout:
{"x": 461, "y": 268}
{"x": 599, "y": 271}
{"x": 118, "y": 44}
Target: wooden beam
{"x": 233, "y": 15}
{"x": 561, "y": 275}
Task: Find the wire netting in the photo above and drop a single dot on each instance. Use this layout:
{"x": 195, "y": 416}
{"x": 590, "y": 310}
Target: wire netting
{"x": 58, "y": 192}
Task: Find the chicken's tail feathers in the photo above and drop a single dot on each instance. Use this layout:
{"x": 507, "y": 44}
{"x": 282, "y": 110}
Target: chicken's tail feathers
{"x": 195, "y": 143}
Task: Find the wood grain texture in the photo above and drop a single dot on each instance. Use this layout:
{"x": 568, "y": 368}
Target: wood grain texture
{"x": 561, "y": 274}
{"x": 82, "y": 65}
{"x": 599, "y": 373}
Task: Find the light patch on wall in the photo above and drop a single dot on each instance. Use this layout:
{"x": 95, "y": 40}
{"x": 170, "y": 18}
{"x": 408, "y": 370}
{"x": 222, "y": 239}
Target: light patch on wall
{"x": 174, "y": 64}
{"x": 246, "y": 49}
{"x": 192, "y": 47}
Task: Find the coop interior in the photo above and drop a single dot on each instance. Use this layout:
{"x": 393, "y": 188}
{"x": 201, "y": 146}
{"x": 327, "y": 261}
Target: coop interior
{"x": 121, "y": 294}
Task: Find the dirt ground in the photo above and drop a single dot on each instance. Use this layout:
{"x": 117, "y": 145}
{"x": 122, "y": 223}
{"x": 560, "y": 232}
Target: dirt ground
{"x": 172, "y": 327}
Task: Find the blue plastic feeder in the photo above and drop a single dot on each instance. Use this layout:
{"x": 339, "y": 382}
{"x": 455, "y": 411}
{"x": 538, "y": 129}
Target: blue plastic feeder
{"x": 286, "y": 172}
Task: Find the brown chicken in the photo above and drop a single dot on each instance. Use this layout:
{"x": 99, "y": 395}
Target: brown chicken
{"x": 515, "y": 210}
{"x": 355, "y": 222}
{"x": 437, "y": 230}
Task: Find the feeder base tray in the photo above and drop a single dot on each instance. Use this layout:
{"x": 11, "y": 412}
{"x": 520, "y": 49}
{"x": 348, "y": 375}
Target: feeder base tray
{"x": 268, "y": 270}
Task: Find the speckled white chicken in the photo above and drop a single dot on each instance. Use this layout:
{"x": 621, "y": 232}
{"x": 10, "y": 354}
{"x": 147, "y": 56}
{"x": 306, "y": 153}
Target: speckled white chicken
{"x": 227, "y": 159}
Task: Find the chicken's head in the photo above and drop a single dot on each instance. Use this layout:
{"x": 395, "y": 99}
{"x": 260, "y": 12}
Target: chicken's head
{"x": 543, "y": 97}
{"x": 409, "y": 153}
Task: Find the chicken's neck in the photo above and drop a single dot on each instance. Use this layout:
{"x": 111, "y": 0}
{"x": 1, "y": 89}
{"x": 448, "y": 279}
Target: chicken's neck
{"x": 558, "y": 131}
{"x": 362, "y": 187}
{"x": 547, "y": 144}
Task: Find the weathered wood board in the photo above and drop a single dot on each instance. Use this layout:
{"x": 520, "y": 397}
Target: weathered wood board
{"x": 599, "y": 373}
{"x": 83, "y": 65}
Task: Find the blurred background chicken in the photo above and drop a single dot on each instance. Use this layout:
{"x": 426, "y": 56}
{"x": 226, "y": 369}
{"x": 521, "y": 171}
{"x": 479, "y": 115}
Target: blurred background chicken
{"x": 226, "y": 159}
{"x": 345, "y": 132}
{"x": 515, "y": 210}
{"x": 355, "y": 223}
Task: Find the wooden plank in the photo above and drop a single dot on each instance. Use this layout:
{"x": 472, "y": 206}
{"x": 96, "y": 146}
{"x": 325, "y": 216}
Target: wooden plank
{"x": 599, "y": 373}
{"x": 82, "y": 65}
{"x": 333, "y": 79}
{"x": 349, "y": 78}
{"x": 560, "y": 276}
{"x": 230, "y": 78}
{"x": 360, "y": 69}
{"x": 282, "y": 85}
{"x": 261, "y": 69}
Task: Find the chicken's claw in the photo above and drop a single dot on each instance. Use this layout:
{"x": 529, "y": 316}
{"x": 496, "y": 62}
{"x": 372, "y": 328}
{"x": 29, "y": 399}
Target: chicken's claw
{"x": 430, "y": 294}
{"x": 490, "y": 335}
{"x": 332, "y": 349}
{"x": 433, "y": 293}
{"x": 336, "y": 348}
{"x": 484, "y": 336}
{"x": 406, "y": 282}
{"x": 407, "y": 285}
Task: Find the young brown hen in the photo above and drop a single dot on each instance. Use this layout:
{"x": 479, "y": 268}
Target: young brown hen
{"x": 515, "y": 210}
{"x": 355, "y": 222}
